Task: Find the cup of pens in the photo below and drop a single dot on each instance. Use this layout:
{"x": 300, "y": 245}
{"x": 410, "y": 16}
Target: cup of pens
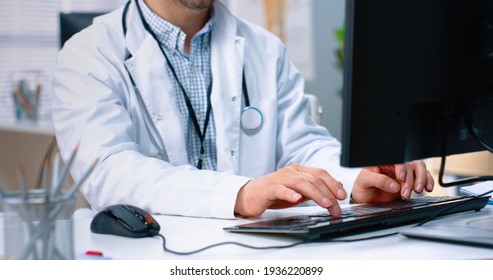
{"x": 26, "y": 90}
{"x": 37, "y": 227}
{"x": 38, "y": 221}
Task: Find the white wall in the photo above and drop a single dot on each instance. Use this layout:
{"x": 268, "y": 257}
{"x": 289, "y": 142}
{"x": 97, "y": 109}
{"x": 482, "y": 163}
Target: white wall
{"x": 327, "y": 86}
{"x": 327, "y": 81}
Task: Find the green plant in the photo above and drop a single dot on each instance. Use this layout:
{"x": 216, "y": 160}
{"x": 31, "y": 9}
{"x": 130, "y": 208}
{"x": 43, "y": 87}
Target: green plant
{"x": 339, "y": 34}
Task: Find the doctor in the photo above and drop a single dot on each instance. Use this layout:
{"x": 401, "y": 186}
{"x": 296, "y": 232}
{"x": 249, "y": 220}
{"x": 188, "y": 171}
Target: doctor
{"x": 192, "y": 111}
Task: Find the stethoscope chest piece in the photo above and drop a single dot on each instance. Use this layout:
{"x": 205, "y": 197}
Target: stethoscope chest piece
{"x": 251, "y": 120}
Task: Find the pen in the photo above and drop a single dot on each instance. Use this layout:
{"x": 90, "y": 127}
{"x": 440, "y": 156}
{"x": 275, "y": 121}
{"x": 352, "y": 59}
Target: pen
{"x": 55, "y": 174}
{"x": 35, "y": 101}
{"x": 64, "y": 173}
{"x": 47, "y": 224}
{"x": 19, "y": 91}
{"x": 45, "y": 171}
{"x": 21, "y": 173}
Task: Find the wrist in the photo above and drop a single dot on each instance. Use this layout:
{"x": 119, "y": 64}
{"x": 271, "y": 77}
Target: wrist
{"x": 352, "y": 200}
{"x": 241, "y": 202}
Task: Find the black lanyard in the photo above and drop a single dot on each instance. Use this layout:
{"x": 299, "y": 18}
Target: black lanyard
{"x": 191, "y": 111}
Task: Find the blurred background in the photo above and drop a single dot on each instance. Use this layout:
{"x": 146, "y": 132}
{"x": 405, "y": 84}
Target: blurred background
{"x": 30, "y": 38}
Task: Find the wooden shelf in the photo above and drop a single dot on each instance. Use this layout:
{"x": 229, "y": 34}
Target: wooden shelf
{"x": 40, "y": 127}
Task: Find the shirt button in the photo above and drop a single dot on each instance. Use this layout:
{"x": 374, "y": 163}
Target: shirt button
{"x": 233, "y": 99}
{"x": 233, "y": 153}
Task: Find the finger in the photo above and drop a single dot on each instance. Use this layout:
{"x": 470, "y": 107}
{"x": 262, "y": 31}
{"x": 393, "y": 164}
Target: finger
{"x": 322, "y": 179}
{"x": 380, "y": 181}
{"x": 281, "y": 192}
{"x": 327, "y": 181}
{"x": 430, "y": 182}
{"x": 408, "y": 184}
{"x": 335, "y": 210}
{"x": 312, "y": 189}
{"x": 401, "y": 172}
{"x": 421, "y": 178}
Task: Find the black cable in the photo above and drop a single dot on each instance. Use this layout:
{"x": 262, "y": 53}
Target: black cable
{"x": 475, "y": 136}
{"x": 451, "y": 207}
{"x": 270, "y": 247}
{"x": 191, "y": 112}
{"x": 319, "y": 240}
{"x": 226, "y": 243}
{"x": 464, "y": 181}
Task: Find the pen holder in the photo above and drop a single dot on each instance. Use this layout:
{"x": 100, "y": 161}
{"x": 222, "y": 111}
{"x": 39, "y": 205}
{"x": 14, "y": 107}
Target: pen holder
{"x": 36, "y": 227}
{"x": 26, "y": 90}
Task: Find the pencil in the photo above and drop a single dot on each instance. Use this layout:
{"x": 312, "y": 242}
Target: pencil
{"x": 55, "y": 174}
{"x": 64, "y": 173}
{"x": 21, "y": 173}
{"x": 21, "y": 95}
{"x": 45, "y": 172}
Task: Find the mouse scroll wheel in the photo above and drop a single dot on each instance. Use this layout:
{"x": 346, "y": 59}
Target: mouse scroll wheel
{"x": 148, "y": 219}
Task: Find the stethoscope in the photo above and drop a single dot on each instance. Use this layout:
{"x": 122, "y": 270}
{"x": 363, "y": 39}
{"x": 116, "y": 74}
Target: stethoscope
{"x": 251, "y": 118}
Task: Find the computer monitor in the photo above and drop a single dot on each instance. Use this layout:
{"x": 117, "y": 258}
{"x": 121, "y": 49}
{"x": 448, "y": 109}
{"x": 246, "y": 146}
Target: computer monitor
{"x": 417, "y": 74}
{"x": 71, "y": 23}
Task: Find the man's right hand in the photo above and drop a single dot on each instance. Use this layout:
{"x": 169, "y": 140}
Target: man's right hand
{"x": 288, "y": 187}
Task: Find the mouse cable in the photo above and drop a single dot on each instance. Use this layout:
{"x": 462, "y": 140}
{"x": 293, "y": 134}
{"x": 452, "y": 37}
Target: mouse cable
{"x": 271, "y": 247}
{"x": 314, "y": 241}
{"x": 227, "y": 243}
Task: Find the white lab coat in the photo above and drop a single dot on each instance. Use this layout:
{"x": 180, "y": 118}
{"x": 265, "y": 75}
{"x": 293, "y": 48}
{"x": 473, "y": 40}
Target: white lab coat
{"x": 95, "y": 107}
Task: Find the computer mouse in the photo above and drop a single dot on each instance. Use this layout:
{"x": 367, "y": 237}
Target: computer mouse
{"x": 125, "y": 220}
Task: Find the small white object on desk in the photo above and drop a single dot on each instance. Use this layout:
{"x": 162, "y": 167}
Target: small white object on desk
{"x": 478, "y": 189}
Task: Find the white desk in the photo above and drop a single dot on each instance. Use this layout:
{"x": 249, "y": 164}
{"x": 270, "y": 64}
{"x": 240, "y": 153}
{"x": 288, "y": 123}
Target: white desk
{"x": 186, "y": 234}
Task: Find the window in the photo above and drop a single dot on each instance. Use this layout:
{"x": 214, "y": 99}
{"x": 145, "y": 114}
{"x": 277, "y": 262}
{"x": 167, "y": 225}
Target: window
{"x": 29, "y": 40}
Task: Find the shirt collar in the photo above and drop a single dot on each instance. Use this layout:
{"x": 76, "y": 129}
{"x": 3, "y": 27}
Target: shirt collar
{"x": 169, "y": 35}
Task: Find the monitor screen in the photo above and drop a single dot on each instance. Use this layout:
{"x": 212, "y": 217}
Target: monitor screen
{"x": 417, "y": 75}
{"x": 71, "y": 23}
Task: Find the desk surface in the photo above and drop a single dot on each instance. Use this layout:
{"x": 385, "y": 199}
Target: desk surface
{"x": 187, "y": 234}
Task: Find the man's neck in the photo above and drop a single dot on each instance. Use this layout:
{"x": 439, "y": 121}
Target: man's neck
{"x": 189, "y": 21}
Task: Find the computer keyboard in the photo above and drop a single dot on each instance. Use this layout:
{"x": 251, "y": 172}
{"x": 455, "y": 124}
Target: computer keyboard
{"x": 358, "y": 211}
{"x": 364, "y": 217}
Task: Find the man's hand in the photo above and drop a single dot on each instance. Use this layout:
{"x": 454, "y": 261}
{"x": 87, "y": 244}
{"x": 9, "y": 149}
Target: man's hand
{"x": 288, "y": 187}
{"x": 386, "y": 183}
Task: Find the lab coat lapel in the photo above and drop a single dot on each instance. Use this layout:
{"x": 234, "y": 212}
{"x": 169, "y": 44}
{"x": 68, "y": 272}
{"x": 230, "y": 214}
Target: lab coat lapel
{"x": 147, "y": 68}
{"x": 227, "y": 63}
